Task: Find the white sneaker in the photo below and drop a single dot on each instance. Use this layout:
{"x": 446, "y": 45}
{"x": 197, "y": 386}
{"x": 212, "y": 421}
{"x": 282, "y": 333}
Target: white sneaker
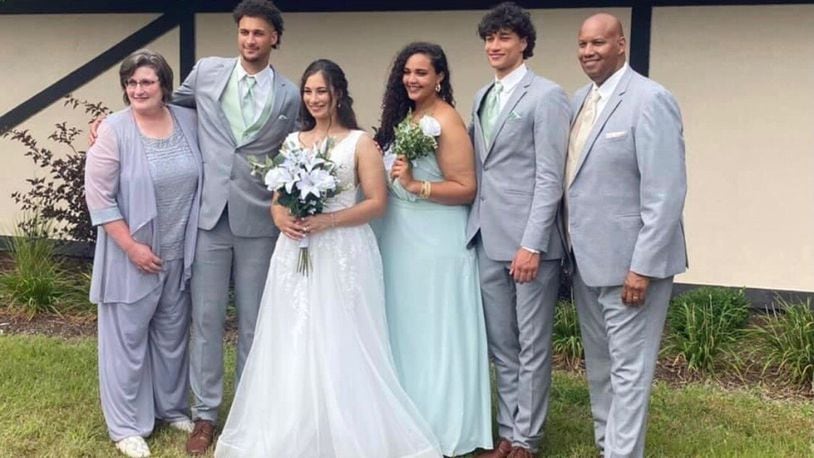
{"x": 134, "y": 447}
{"x": 185, "y": 424}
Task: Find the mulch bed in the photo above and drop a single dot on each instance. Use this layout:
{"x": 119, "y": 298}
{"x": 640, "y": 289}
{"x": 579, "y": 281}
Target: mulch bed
{"x": 48, "y": 324}
{"x": 68, "y": 325}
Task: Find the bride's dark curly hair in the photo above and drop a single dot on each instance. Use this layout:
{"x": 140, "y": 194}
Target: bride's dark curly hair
{"x": 338, "y": 87}
{"x": 395, "y": 103}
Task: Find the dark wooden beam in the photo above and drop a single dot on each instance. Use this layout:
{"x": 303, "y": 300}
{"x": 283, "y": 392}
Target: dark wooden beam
{"x": 215, "y": 6}
{"x": 88, "y": 71}
{"x": 640, "y": 26}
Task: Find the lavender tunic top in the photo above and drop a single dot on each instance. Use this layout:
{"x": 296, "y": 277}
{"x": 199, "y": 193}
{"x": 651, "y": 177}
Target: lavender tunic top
{"x": 119, "y": 185}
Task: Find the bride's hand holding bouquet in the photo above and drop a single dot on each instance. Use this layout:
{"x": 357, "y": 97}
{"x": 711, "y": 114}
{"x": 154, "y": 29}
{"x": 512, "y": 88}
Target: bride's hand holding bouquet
{"x": 303, "y": 179}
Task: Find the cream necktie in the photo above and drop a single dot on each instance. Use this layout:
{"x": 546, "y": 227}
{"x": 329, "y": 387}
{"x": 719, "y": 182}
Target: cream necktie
{"x": 491, "y": 108}
{"x": 579, "y": 133}
{"x": 247, "y": 103}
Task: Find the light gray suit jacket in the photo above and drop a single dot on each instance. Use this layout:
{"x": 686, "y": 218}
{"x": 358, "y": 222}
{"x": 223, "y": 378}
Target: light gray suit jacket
{"x": 627, "y": 196}
{"x": 520, "y": 173}
{"x": 227, "y": 175}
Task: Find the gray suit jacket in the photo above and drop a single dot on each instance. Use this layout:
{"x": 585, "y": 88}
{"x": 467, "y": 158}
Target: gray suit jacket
{"x": 520, "y": 173}
{"x": 227, "y": 175}
{"x": 627, "y": 196}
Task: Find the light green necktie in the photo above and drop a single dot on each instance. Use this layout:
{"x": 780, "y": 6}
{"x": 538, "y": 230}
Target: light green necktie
{"x": 490, "y": 111}
{"x": 247, "y": 103}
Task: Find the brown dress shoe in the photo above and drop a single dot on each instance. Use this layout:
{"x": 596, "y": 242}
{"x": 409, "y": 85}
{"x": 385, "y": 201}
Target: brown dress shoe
{"x": 501, "y": 450}
{"x": 201, "y": 438}
{"x": 521, "y": 452}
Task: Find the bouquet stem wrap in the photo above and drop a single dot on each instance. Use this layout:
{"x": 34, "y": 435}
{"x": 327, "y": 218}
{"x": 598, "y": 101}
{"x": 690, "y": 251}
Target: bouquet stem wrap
{"x": 304, "y": 261}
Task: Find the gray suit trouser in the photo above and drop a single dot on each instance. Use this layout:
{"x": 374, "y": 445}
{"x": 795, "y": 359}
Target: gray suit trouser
{"x": 621, "y": 346}
{"x": 219, "y": 256}
{"x": 519, "y": 322}
{"x": 143, "y": 363}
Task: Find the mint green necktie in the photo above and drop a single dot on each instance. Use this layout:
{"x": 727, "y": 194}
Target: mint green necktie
{"x": 247, "y": 103}
{"x": 490, "y": 111}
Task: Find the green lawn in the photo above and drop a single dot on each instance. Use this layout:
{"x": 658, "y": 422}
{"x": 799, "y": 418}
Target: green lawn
{"x": 49, "y": 407}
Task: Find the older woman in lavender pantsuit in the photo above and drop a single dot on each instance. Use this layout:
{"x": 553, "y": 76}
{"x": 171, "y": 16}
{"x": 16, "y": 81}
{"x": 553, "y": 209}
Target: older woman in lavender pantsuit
{"x": 142, "y": 184}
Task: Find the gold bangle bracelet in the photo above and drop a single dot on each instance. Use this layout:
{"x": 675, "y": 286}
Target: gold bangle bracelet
{"x": 426, "y": 189}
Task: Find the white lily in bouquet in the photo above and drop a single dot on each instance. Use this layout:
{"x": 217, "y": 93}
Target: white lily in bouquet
{"x": 413, "y": 140}
{"x": 303, "y": 179}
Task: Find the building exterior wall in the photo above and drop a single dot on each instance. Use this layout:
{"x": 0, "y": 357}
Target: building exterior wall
{"x": 744, "y": 87}
{"x": 738, "y": 73}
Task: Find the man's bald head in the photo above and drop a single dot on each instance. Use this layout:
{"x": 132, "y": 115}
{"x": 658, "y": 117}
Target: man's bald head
{"x": 608, "y": 22}
{"x": 601, "y": 46}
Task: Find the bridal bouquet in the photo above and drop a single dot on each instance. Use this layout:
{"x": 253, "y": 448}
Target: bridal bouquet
{"x": 303, "y": 179}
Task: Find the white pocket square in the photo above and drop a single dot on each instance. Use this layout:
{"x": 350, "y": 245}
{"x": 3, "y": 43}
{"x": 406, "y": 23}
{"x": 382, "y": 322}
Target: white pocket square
{"x": 619, "y": 134}
{"x": 282, "y": 116}
{"x": 515, "y": 115}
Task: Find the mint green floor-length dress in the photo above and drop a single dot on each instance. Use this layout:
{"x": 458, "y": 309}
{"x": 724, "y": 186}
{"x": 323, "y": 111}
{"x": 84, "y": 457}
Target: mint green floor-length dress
{"x": 434, "y": 314}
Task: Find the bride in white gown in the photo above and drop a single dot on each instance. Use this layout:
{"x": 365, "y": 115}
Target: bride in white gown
{"x": 319, "y": 380}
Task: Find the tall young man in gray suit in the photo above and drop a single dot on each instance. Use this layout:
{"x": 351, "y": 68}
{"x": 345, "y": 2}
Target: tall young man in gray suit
{"x": 520, "y": 132}
{"x": 245, "y": 108}
{"x": 625, "y": 188}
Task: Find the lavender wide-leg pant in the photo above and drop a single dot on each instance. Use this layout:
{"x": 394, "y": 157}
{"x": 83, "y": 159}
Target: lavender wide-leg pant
{"x": 143, "y": 361}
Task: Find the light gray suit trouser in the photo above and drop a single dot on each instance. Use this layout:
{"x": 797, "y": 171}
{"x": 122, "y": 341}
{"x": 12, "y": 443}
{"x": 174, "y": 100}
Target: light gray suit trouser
{"x": 519, "y": 322}
{"x": 143, "y": 367}
{"x": 621, "y": 346}
{"x": 219, "y": 256}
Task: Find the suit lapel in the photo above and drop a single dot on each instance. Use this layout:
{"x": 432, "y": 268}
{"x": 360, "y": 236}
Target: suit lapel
{"x": 579, "y": 100}
{"x": 222, "y": 75}
{"x": 610, "y": 107}
{"x": 477, "y": 130}
{"x": 517, "y": 95}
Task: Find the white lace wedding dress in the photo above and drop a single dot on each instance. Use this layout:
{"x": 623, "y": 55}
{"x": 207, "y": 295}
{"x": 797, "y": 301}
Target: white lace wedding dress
{"x": 319, "y": 380}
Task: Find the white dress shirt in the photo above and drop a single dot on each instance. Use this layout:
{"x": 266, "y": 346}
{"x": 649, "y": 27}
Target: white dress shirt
{"x": 509, "y": 83}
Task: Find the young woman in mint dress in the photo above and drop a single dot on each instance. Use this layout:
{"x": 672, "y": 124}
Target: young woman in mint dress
{"x": 433, "y": 302}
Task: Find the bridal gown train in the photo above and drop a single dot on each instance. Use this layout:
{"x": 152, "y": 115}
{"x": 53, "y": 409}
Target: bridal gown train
{"x": 319, "y": 380}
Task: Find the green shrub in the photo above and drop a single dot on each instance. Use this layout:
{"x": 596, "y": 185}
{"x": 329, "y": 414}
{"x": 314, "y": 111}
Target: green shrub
{"x": 38, "y": 282}
{"x": 788, "y": 341}
{"x": 567, "y": 339}
{"x": 704, "y": 322}
{"x": 57, "y": 193}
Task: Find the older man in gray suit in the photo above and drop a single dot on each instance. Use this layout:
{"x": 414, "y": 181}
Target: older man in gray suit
{"x": 520, "y": 130}
{"x": 625, "y": 189}
{"x": 245, "y": 109}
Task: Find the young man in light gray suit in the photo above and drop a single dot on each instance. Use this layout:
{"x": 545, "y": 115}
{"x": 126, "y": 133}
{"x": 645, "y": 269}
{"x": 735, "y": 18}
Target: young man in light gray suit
{"x": 245, "y": 109}
{"x": 520, "y": 131}
{"x": 625, "y": 188}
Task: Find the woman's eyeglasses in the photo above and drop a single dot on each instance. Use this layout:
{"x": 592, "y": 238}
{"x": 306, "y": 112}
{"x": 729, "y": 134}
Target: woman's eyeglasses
{"x": 146, "y": 84}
